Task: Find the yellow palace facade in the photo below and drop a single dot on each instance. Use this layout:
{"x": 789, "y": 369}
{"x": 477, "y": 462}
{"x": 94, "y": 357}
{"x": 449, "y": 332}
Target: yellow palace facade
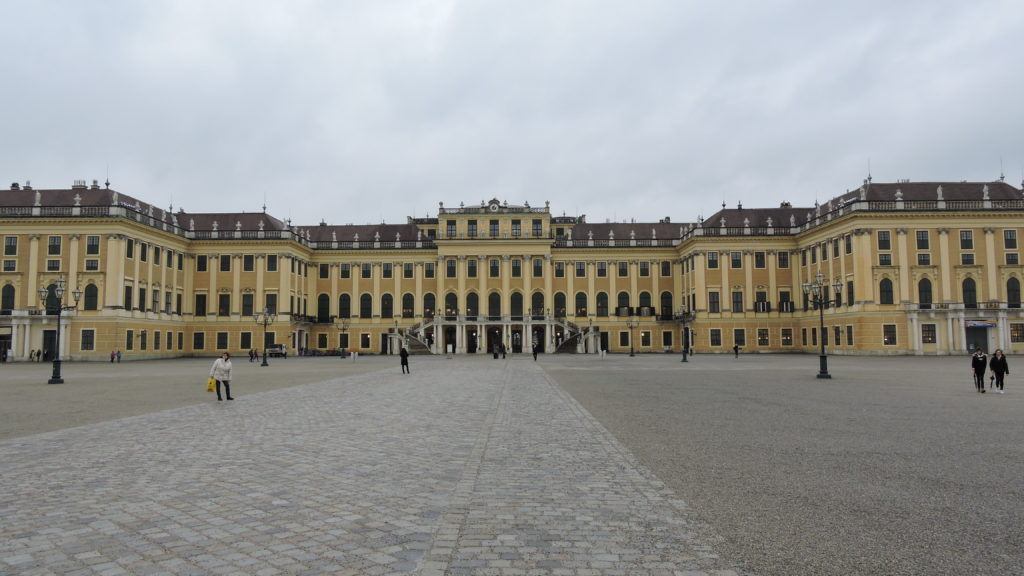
{"x": 905, "y": 268}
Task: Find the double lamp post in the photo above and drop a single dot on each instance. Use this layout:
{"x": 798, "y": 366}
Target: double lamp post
{"x": 265, "y": 318}
{"x": 818, "y": 291}
{"x": 58, "y": 306}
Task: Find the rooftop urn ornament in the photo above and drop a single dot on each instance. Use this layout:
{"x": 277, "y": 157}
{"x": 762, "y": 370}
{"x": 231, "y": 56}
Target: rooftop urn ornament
{"x": 192, "y": 224}
{"x": 149, "y": 212}
{"x": 984, "y": 192}
{"x": 899, "y": 194}
{"x": 863, "y": 193}
{"x": 746, "y": 222}
{"x": 376, "y": 236}
{"x": 792, "y": 220}
{"x": 419, "y": 235}
{"x": 769, "y": 221}
{"x": 590, "y": 235}
{"x": 632, "y": 234}
{"x": 570, "y": 234}
{"x": 261, "y": 225}
{"x": 113, "y": 198}
{"x": 398, "y": 237}
{"x": 334, "y": 236}
{"x": 238, "y": 224}
{"x": 215, "y": 225}
{"x": 78, "y": 200}
{"x": 39, "y": 199}
{"x": 611, "y": 234}
{"x": 654, "y": 234}
{"x": 722, "y": 221}
{"x": 938, "y": 192}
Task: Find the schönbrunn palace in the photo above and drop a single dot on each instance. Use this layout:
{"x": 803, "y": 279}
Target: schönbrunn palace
{"x": 907, "y": 268}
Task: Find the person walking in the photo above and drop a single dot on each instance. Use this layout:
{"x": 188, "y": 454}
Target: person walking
{"x": 999, "y": 368}
{"x": 118, "y": 356}
{"x": 404, "y": 354}
{"x": 978, "y": 365}
{"x": 221, "y": 372}
{"x": 503, "y": 350}
{"x": 112, "y": 356}
{"x": 536, "y": 350}
{"x": 736, "y": 350}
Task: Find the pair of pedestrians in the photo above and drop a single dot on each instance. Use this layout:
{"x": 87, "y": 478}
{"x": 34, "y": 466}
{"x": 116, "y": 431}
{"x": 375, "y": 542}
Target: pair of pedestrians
{"x": 997, "y": 364}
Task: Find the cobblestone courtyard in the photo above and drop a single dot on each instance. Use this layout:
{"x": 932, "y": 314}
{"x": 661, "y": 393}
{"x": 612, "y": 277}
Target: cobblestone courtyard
{"x": 571, "y": 465}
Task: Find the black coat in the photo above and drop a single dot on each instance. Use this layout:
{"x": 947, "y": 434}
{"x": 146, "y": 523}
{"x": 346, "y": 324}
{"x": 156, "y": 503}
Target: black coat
{"x": 979, "y": 363}
{"x": 998, "y": 365}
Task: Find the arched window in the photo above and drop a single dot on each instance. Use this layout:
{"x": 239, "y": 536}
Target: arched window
{"x": 581, "y": 303}
{"x": 970, "y": 293}
{"x": 667, "y": 309}
{"x": 7, "y": 297}
{"x": 559, "y": 305}
{"x": 602, "y": 304}
{"x": 429, "y": 305}
{"x": 408, "y": 301}
{"x": 345, "y": 306}
{"x": 366, "y": 306}
{"x": 472, "y": 304}
{"x": 537, "y": 304}
{"x": 924, "y": 294}
{"x": 451, "y": 304}
{"x": 387, "y": 306}
{"x": 91, "y": 297}
{"x": 494, "y": 305}
{"x": 623, "y": 303}
{"x": 52, "y": 303}
{"x": 885, "y": 291}
{"x": 1013, "y": 293}
{"x": 516, "y": 305}
{"x": 323, "y": 308}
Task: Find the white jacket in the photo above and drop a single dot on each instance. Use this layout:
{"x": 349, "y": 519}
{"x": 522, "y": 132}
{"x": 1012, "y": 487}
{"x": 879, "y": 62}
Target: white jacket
{"x": 221, "y": 370}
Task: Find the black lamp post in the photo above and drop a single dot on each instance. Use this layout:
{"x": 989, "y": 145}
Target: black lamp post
{"x": 264, "y": 318}
{"x": 58, "y": 293}
{"x": 683, "y": 315}
{"x": 632, "y": 323}
{"x": 343, "y": 326}
{"x": 818, "y": 292}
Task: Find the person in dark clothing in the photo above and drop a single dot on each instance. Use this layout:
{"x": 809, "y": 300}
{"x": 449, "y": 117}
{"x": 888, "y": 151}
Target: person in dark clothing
{"x": 503, "y": 350}
{"x": 999, "y": 368}
{"x": 404, "y": 354}
{"x": 736, "y": 350}
{"x": 978, "y": 365}
{"x": 536, "y": 350}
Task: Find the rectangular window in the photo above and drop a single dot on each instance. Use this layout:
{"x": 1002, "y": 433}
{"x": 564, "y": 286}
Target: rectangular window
{"x": 88, "y": 340}
{"x": 222, "y": 340}
{"x": 53, "y": 246}
{"x": 92, "y": 245}
{"x": 922, "y": 240}
{"x": 737, "y": 301}
{"x": 428, "y": 269}
{"x": 366, "y": 271}
{"x": 143, "y": 257}
{"x": 493, "y": 228}
{"x": 471, "y": 228}
{"x": 714, "y": 306}
{"x": 884, "y": 240}
{"x": 824, "y": 251}
{"x": 271, "y": 262}
{"x": 623, "y": 339}
{"x": 1017, "y": 332}
{"x": 848, "y": 240}
{"x": 713, "y": 260}
{"x": 716, "y": 336}
{"x": 787, "y": 336}
{"x": 835, "y": 248}
{"x": 889, "y": 334}
{"x": 623, "y": 269}
{"x": 142, "y": 299}
{"x": 450, "y": 269}
{"x": 517, "y": 268}
{"x": 225, "y": 263}
{"x": 924, "y": 259}
{"x": 967, "y": 259}
{"x": 181, "y": 261}
{"x": 928, "y": 334}
{"x": 814, "y": 255}
{"x": 559, "y": 269}
{"x": 450, "y": 228}
{"x": 666, "y": 269}
{"x": 198, "y": 340}
{"x": 10, "y": 246}
{"x": 11, "y": 265}
{"x": 129, "y": 340}
{"x": 666, "y": 339}
{"x": 325, "y": 271}
{"x": 645, "y": 269}
{"x": 407, "y": 270}
{"x": 346, "y": 270}
{"x": 245, "y": 341}
{"x": 759, "y": 260}
{"x": 156, "y": 258}
{"x": 1012, "y": 259}
{"x": 321, "y": 341}
{"x": 849, "y": 335}
{"x": 271, "y": 302}
{"x": 248, "y": 263}
{"x": 1010, "y": 239}
{"x": 53, "y": 265}
{"x": 167, "y": 302}
{"x": 129, "y": 249}
{"x": 736, "y": 260}
{"x": 602, "y": 269}
{"x": 803, "y": 336}
{"x": 200, "y": 309}
{"x": 538, "y": 268}
{"x": 495, "y": 268}
{"x": 783, "y": 259}
{"x": 223, "y": 304}
{"x": 739, "y": 337}
{"x": 762, "y": 336}
{"x": 803, "y": 257}
{"x": 517, "y": 228}
{"x": 581, "y": 269}
{"x": 885, "y": 259}
{"x": 156, "y": 340}
{"x": 471, "y": 267}
{"x": 388, "y": 270}
{"x": 247, "y": 305}
{"x": 201, "y": 263}
{"x": 538, "y": 228}
{"x": 966, "y": 240}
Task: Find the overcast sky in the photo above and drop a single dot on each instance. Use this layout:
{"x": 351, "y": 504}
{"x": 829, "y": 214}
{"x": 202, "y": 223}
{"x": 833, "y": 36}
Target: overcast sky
{"x": 362, "y": 112}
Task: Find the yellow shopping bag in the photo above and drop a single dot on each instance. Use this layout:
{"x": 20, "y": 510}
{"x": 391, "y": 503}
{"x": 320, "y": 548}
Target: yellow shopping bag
{"x": 211, "y": 384}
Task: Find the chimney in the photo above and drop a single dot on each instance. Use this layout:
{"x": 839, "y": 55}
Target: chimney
{"x": 15, "y": 186}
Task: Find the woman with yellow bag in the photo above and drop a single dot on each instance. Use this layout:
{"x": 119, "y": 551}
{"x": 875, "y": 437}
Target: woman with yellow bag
{"x": 221, "y": 373}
